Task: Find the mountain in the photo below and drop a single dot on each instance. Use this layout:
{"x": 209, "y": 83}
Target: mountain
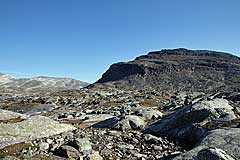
{"x": 4, "y": 78}
{"x": 34, "y": 85}
{"x": 177, "y": 70}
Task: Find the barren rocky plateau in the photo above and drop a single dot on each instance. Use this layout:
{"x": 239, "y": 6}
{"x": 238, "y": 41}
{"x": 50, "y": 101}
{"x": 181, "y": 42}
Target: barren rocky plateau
{"x": 174, "y": 104}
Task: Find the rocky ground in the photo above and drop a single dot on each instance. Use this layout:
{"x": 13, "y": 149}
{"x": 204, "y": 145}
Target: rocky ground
{"x": 117, "y": 124}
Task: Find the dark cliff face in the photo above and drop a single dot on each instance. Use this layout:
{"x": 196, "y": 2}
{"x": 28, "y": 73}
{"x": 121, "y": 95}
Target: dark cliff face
{"x": 177, "y": 70}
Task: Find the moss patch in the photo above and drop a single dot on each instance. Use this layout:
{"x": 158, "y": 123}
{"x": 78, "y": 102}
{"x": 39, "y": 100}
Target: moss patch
{"x": 149, "y": 103}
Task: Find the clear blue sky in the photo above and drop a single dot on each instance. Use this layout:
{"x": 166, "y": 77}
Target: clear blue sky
{"x": 81, "y": 38}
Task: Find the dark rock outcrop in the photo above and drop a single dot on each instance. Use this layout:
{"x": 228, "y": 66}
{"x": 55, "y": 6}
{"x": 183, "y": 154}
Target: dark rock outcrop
{"x": 177, "y": 70}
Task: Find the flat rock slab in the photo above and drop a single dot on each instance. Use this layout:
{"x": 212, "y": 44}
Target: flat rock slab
{"x": 32, "y": 128}
{"x": 8, "y": 115}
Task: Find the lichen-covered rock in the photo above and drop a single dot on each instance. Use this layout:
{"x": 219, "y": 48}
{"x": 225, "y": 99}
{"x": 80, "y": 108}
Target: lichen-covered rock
{"x": 32, "y": 128}
{"x": 84, "y": 145}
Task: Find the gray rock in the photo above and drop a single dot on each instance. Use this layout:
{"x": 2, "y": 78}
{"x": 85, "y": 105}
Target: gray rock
{"x": 148, "y": 114}
{"x": 35, "y": 127}
{"x": 227, "y": 140}
{"x": 124, "y": 123}
{"x": 88, "y": 111}
{"x": 70, "y": 116}
{"x": 84, "y": 145}
{"x": 213, "y": 154}
{"x": 135, "y": 122}
{"x": 151, "y": 139}
{"x": 130, "y": 147}
{"x": 157, "y": 148}
{"x": 95, "y": 156}
{"x": 49, "y": 141}
{"x": 187, "y": 121}
{"x": 140, "y": 156}
{"x": 44, "y": 146}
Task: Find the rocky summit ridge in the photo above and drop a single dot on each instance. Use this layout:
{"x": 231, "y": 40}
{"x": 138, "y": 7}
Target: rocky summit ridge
{"x": 36, "y": 85}
{"x": 177, "y": 70}
{"x": 174, "y": 104}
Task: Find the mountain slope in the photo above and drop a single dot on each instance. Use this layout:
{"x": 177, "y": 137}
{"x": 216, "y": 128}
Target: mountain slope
{"x": 177, "y": 70}
{"x": 9, "y": 84}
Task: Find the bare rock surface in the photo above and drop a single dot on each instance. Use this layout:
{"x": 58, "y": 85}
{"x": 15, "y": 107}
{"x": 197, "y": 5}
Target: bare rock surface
{"x": 227, "y": 140}
{"x": 32, "y": 128}
{"x": 185, "y": 124}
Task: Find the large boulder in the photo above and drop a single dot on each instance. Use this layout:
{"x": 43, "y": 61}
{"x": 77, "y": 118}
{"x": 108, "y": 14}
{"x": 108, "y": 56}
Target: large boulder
{"x": 228, "y": 140}
{"x": 185, "y": 125}
{"x": 34, "y": 127}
